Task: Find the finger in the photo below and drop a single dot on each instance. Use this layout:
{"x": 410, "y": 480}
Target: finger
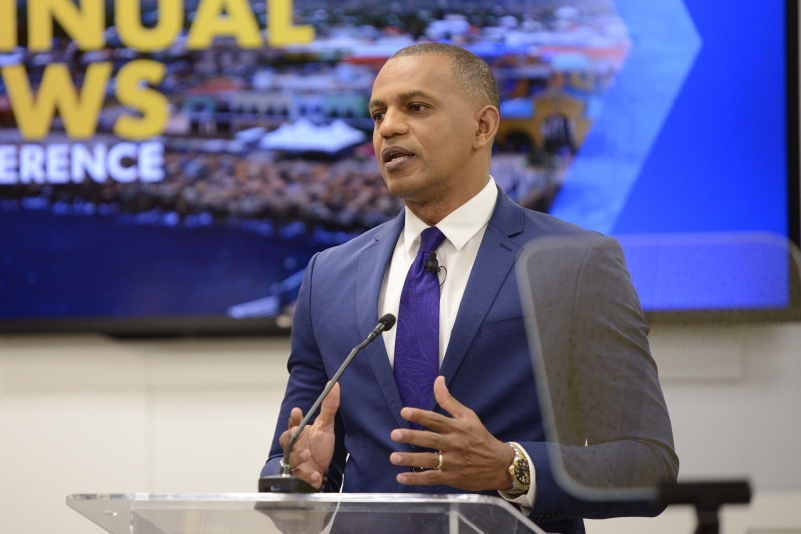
{"x": 431, "y": 420}
{"x": 447, "y": 401}
{"x": 286, "y": 435}
{"x": 302, "y": 459}
{"x": 295, "y": 417}
{"x": 426, "y": 478}
{"x": 329, "y": 407}
{"x": 308, "y": 474}
{"x": 429, "y": 460}
{"x": 284, "y": 439}
{"x": 304, "y": 467}
{"x": 299, "y": 459}
{"x": 421, "y": 438}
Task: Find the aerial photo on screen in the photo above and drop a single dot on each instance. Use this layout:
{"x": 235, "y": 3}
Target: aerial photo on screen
{"x": 123, "y": 168}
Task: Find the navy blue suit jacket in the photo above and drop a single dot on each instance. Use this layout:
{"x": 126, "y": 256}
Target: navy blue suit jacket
{"x": 487, "y": 365}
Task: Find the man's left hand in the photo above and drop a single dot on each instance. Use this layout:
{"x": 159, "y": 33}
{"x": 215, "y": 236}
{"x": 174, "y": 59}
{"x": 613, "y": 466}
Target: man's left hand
{"x": 472, "y": 459}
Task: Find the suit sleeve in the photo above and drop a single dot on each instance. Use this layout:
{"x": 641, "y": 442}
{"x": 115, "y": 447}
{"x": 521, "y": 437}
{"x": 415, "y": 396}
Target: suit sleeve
{"x": 307, "y": 379}
{"x": 610, "y": 414}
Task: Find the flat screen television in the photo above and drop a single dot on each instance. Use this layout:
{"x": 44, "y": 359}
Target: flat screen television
{"x": 170, "y": 168}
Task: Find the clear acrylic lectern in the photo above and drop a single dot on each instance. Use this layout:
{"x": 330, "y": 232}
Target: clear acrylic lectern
{"x": 262, "y": 513}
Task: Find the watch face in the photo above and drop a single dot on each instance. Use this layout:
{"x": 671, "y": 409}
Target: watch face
{"x": 522, "y": 473}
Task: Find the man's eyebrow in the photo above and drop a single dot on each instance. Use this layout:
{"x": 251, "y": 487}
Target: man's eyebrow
{"x": 413, "y": 94}
{"x": 408, "y": 95}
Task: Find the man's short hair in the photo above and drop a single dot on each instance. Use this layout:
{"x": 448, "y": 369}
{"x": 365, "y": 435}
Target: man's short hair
{"x": 467, "y": 69}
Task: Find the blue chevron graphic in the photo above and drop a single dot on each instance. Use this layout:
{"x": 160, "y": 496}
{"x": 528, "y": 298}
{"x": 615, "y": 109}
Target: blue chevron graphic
{"x": 664, "y": 46}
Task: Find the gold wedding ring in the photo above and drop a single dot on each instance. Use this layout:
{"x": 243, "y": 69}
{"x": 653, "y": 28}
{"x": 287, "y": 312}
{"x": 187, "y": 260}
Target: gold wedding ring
{"x": 440, "y": 461}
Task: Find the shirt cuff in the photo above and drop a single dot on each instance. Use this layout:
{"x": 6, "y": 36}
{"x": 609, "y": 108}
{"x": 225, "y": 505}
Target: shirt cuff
{"x": 525, "y": 500}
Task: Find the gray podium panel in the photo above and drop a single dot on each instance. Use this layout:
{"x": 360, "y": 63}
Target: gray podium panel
{"x": 606, "y": 421}
{"x": 259, "y": 513}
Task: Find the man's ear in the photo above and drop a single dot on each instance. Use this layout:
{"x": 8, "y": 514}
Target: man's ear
{"x": 487, "y": 120}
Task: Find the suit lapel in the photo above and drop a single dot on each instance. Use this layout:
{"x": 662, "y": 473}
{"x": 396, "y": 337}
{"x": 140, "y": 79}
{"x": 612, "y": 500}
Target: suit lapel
{"x": 496, "y": 257}
{"x": 373, "y": 263}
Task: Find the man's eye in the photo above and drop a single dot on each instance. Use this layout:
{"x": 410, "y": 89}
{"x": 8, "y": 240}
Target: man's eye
{"x": 416, "y": 107}
{"x": 378, "y": 116}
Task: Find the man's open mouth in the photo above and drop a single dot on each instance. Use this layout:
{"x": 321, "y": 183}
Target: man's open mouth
{"x": 395, "y": 156}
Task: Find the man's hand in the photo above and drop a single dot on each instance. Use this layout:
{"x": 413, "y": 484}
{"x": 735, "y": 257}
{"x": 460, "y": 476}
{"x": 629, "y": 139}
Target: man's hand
{"x": 311, "y": 455}
{"x": 472, "y": 459}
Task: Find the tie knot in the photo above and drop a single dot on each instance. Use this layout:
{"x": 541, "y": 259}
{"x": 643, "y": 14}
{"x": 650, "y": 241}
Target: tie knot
{"x": 430, "y": 239}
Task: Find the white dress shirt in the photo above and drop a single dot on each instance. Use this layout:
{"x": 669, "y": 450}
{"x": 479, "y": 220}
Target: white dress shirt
{"x": 463, "y": 229}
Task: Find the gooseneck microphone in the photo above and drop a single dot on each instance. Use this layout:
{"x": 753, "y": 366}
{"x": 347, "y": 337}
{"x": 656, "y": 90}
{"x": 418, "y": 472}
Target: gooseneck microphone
{"x": 285, "y": 482}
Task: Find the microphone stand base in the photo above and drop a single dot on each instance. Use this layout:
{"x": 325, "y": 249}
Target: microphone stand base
{"x": 284, "y": 484}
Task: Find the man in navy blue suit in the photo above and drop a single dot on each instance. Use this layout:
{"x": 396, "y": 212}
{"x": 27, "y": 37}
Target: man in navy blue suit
{"x": 473, "y": 423}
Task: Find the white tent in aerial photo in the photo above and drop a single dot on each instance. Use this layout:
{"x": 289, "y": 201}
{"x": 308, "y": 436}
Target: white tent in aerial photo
{"x": 303, "y": 136}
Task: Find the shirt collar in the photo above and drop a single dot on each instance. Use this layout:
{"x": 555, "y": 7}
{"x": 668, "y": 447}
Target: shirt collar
{"x": 460, "y": 225}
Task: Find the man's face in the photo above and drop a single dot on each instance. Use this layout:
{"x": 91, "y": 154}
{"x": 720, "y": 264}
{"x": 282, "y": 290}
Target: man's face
{"x": 424, "y": 127}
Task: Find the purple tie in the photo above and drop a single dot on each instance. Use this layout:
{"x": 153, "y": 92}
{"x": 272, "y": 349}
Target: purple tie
{"x": 417, "y": 337}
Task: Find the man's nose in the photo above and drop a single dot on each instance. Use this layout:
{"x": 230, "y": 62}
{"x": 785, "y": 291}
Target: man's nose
{"x": 392, "y": 124}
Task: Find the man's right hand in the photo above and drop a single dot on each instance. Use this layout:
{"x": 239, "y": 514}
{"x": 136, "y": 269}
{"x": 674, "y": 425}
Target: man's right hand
{"x": 311, "y": 455}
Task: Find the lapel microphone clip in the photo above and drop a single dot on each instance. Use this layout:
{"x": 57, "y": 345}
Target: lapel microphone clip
{"x": 432, "y": 266}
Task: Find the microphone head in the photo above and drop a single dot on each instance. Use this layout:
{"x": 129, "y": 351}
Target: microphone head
{"x": 388, "y": 321}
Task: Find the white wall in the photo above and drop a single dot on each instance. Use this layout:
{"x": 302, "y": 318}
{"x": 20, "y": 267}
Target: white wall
{"x": 86, "y": 414}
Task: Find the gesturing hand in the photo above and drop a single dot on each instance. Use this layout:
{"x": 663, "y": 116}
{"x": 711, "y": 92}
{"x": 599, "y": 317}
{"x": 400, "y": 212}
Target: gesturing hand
{"x": 311, "y": 455}
{"x": 473, "y": 459}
